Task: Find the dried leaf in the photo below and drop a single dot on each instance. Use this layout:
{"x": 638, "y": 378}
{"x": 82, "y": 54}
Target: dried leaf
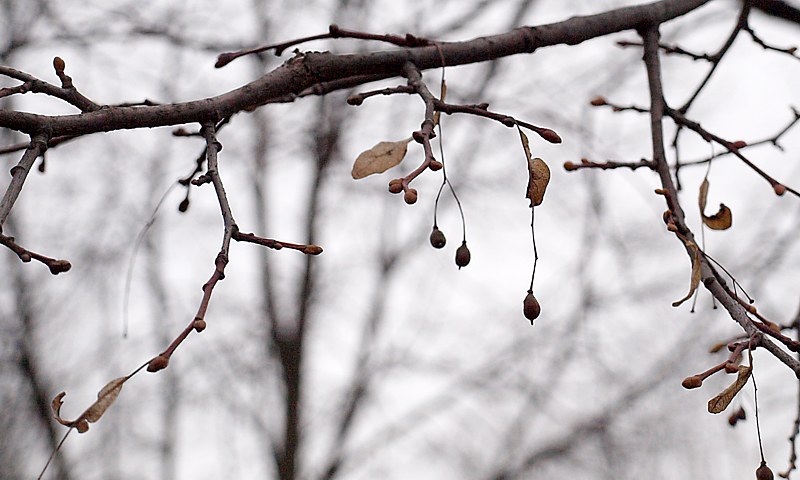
{"x": 57, "y": 403}
{"x": 538, "y": 174}
{"x": 722, "y": 220}
{"x": 719, "y": 403}
{"x": 380, "y": 158}
{"x": 538, "y": 178}
{"x": 105, "y": 397}
{"x": 696, "y": 272}
{"x": 703, "y": 197}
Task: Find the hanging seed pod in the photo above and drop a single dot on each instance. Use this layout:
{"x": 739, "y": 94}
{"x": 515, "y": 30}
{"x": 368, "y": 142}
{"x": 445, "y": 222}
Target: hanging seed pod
{"x": 437, "y": 238}
{"x": 530, "y": 307}
{"x": 462, "y": 255}
{"x": 763, "y": 472}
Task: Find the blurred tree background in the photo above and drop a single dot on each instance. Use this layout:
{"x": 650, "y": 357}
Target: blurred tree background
{"x": 379, "y": 358}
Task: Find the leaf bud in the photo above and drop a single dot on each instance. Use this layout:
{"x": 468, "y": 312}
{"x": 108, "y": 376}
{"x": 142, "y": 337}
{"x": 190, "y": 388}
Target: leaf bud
{"x": 739, "y": 144}
{"x": 396, "y": 185}
{"x": 184, "y": 205}
{"x": 462, "y": 255}
{"x": 410, "y": 196}
{"x": 692, "y": 382}
{"x": 159, "y": 362}
{"x": 530, "y": 307}
{"x": 570, "y": 166}
{"x": 549, "y": 135}
{"x": 437, "y": 238}
{"x": 731, "y": 367}
{"x": 779, "y": 189}
{"x": 598, "y": 101}
{"x": 312, "y": 250}
{"x": 59, "y": 65}
{"x": 199, "y": 325}
{"x": 435, "y": 165}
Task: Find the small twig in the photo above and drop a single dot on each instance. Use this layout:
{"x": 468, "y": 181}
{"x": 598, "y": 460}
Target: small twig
{"x": 19, "y": 172}
{"x": 670, "y": 49}
{"x": 334, "y": 31}
{"x": 608, "y": 165}
{"x": 742, "y": 144}
{"x": 732, "y": 147}
{"x": 481, "y": 110}
{"x": 276, "y": 244}
{"x": 66, "y": 92}
{"x": 791, "y": 51}
{"x": 56, "y": 266}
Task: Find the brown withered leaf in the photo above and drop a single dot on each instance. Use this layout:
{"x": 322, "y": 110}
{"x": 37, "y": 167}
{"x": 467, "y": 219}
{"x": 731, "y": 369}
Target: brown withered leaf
{"x": 380, "y": 158}
{"x": 538, "y": 174}
{"x": 696, "y": 272}
{"x": 719, "y": 403}
{"x": 105, "y": 397}
{"x": 722, "y": 220}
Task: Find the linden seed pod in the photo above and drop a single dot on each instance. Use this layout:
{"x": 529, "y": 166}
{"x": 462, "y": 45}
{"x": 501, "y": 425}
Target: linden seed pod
{"x": 462, "y": 255}
{"x": 437, "y": 238}
{"x": 531, "y": 307}
{"x": 396, "y": 185}
{"x": 410, "y": 196}
{"x": 763, "y": 472}
{"x": 159, "y": 362}
{"x": 692, "y": 382}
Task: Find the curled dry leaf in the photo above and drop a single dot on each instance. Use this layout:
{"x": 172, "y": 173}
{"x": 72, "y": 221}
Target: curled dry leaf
{"x": 696, "y": 271}
{"x": 380, "y": 158}
{"x": 719, "y": 403}
{"x": 105, "y": 397}
{"x": 538, "y": 174}
{"x": 722, "y": 220}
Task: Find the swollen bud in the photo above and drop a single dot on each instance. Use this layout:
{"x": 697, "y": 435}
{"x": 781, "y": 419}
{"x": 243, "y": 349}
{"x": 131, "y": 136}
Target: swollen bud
{"x": 692, "y": 382}
{"x": 158, "y": 362}
{"x": 410, "y": 196}
{"x": 396, "y": 185}
{"x": 437, "y": 238}
{"x": 435, "y": 165}
{"x": 530, "y": 307}
{"x": 462, "y": 255}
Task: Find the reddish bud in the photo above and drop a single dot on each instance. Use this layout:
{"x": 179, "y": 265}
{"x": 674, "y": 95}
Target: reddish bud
{"x": 598, "y": 101}
{"x": 396, "y": 185}
{"x": 779, "y": 189}
{"x": 739, "y": 144}
{"x": 312, "y": 250}
{"x": 59, "y": 65}
{"x": 569, "y": 166}
{"x": 549, "y": 135}
{"x": 159, "y": 362}
{"x": 692, "y": 382}
{"x": 731, "y": 367}
{"x": 59, "y": 266}
{"x": 410, "y": 196}
{"x": 199, "y": 325}
{"x": 435, "y": 165}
